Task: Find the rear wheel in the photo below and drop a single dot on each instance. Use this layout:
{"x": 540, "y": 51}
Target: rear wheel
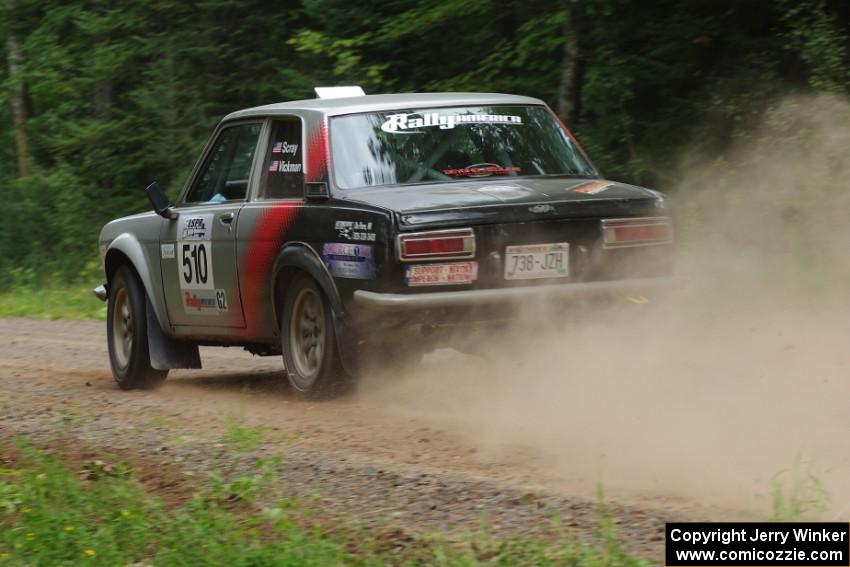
{"x": 127, "y": 334}
{"x": 308, "y": 340}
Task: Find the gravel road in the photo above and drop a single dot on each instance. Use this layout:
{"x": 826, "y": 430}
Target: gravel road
{"x": 360, "y": 458}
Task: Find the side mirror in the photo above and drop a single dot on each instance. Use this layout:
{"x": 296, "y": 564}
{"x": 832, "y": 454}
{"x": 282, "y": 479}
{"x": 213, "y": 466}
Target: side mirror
{"x": 159, "y": 201}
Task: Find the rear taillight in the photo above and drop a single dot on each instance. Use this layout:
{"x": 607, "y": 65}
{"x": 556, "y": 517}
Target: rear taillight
{"x": 623, "y": 233}
{"x": 437, "y": 245}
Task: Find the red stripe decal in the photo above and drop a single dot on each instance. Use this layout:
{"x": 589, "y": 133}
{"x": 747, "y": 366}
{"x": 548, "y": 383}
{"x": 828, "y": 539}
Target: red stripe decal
{"x": 264, "y": 243}
{"x": 269, "y": 233}
{"x": 317, "y": 154}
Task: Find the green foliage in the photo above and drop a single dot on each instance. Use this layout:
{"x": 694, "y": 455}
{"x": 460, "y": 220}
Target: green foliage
{"x": 109, "y": 520}
{"x": 245, "y": 487}
{"x": 51, "y": 516}
{"x": 798, "y": 494}
{"x": 242, "y": 437}
{"x": 123, "y": 95}
{"x": 54, "y": 301}
{"x": 815, "y": 33}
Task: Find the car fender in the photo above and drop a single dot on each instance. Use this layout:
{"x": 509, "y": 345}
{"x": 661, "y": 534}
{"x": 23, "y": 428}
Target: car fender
{"x": 165, "y": 352}
{"x": 304, "y": 257}
{"x": 129, "y": 246}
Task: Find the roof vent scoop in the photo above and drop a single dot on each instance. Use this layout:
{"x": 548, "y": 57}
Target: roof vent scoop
{"x": 338, "y": 92}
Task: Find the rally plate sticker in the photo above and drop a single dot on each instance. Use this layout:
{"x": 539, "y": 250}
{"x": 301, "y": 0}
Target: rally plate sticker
{"x": 455, "y": 273}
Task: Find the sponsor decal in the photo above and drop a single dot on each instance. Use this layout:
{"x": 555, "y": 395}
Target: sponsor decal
{"x": 481, "y": 170}
{"x": 410, "y": 122}
{"x": 166, "y": 251}
{"x": 456, "y": 273}
{"x": 355, "y": 230}
{"x": 205, "y": 302}
{"x": 192, "y": 301}
{"x": 284, "y": 148}
{"x": 592, "y": 188}
{"x": 194, "y": 252}
{"x": 353, "y": 261}
{"x": 195, "y": 227}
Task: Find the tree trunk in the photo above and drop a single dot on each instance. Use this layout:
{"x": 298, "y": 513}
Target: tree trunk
{"x": 20, "y": 104}
{"x": 569, "y": 91}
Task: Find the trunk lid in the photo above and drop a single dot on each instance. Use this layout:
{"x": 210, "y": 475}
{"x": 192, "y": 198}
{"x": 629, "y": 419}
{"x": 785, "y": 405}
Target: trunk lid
{"x": 508, "y": 213}
{"x": 495, "y": 201}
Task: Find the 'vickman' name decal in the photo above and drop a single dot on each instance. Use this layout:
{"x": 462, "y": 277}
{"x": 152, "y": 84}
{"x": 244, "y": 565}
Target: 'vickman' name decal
{"x": 284, "y": 166}
{"x": 402, "y": 122}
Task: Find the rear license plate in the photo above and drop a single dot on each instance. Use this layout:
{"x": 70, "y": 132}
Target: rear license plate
{"x": 441, "y": 274}
{"x": 535, "y": 261}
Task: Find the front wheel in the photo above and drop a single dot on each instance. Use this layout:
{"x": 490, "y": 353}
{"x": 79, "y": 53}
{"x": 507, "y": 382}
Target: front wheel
{"x": 308, "y": 340}
{"x": 127, "y": 334}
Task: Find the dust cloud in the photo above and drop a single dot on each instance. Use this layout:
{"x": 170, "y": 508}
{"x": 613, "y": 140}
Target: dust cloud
{"x": 737, "y": 382}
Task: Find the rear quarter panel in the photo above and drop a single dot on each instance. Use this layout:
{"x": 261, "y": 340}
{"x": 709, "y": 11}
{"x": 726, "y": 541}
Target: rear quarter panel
{"x": 323, "y": 228}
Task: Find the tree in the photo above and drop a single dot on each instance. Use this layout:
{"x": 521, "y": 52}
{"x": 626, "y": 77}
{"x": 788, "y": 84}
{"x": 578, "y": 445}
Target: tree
{"x": 18, "y": 95}
{"x": 572, "y": 68}
{"x": 105, "y": 97}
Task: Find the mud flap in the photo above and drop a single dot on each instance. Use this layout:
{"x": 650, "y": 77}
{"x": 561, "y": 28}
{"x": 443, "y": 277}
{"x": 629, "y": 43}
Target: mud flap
{"x": 166, "y": 353}
{"x": 346, "y": 342}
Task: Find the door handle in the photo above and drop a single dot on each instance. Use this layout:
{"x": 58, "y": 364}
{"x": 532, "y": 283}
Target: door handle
{"x": 226, "y": 218}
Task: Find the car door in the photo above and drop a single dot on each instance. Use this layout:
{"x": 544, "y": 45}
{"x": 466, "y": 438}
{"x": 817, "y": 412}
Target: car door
{"x": 198, "y": 248}
{"x": 269, "y": 220}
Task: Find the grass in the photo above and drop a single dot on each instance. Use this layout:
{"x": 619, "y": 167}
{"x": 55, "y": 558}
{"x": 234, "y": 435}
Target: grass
{"x": 241, "y": 436}
{"x": 53, "y": 302}
{"x": 51, "y": 515}
{"x": 798, "y": 494}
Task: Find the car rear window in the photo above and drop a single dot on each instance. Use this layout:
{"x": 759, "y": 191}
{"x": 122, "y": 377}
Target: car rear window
{"x": 451, "y": 144}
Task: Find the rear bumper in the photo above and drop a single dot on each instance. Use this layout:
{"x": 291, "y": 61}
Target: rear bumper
{"x": 570, "y": 292}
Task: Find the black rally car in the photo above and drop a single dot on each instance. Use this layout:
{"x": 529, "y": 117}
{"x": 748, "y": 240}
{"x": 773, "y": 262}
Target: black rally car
{"x": 325, "y": 229}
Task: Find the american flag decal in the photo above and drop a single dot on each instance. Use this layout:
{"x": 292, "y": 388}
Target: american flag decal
{"x": 277, "y": 147}
{"x": 273, "y": 165}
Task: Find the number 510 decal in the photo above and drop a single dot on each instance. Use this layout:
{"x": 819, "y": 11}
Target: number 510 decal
{"x": 194, "y": 252}
{"x": 196, "y": 267}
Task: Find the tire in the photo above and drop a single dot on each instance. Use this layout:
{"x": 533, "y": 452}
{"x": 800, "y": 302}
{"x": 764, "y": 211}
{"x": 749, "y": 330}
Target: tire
{"x": 127, "y": 333}
{"x": 308, "y": 341}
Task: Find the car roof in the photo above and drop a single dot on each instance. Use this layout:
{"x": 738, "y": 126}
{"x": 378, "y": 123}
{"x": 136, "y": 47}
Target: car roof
{"x": 377, "y": 103}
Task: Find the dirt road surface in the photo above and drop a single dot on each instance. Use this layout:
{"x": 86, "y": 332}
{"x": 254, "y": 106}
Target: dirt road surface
{"x": 462, "y": 441}
{"x": 362, "y": 462}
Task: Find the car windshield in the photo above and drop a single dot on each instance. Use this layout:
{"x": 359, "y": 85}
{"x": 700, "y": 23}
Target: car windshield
{"x": 450, "y": 145}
